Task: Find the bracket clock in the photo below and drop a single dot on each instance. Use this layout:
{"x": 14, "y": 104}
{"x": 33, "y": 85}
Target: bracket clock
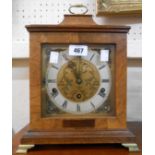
{"x": 78, "y": 83}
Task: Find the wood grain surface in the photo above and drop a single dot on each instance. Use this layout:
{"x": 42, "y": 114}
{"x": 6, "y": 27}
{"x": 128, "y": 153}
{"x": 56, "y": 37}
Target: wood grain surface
{"x": 106, "y": 129}
{"x": 78, "y": 33}
{"x": 99, "y": 149}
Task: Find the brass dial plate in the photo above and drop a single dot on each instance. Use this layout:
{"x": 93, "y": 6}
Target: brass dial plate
{"x": 78, "y": 80}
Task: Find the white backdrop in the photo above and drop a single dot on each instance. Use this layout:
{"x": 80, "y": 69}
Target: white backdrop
{"x": 51, "y": 12}
{"x": 27, "y": 12}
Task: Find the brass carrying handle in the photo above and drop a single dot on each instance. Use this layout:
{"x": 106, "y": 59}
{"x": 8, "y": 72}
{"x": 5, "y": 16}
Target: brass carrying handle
{"x": 78, "y": 6}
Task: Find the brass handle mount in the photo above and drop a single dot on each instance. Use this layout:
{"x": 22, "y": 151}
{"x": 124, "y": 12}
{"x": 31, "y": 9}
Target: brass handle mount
{"x": 78, "y": 6}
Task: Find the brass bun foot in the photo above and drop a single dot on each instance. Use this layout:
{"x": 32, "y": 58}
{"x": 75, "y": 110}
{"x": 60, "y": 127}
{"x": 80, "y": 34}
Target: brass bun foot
{"x": 133, "y": 147}
{"x": 23, "y": 149}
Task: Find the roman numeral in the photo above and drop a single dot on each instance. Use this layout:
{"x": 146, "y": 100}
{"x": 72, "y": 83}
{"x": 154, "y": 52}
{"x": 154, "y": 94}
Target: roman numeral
{"x": 51, "y": 80}
{"x": 78, "y": 107}
{"x": 92, "y": 57}
{"x": 92, "y": 104}
{"x": 105, "y": 80}
{"x": 55, "y": 67}
{"x": 101, "y": 67}
{"x": 64, "y": 56}
{"x": 64, "y": 105}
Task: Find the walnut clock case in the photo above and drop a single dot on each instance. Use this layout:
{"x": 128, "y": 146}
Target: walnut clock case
{"x": 78, "y": 99}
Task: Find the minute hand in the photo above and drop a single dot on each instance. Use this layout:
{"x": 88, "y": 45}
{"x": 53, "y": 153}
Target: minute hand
{"x": 71, "y": 64}
{"x": 78, "y": 74}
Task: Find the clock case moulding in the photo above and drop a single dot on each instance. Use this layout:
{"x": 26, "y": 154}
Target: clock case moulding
{"x": 78, "y": 29}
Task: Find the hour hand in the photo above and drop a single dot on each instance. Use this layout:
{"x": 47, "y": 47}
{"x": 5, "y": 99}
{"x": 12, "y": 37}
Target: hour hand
{"x": 73, "y": 66}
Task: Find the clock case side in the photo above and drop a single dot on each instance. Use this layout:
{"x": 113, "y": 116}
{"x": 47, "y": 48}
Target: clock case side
{"x": 77, "y": 29}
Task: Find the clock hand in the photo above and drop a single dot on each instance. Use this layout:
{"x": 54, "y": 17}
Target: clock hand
{"x": 75, "y": 68}
{"x": 79, "y": 80}
{"x": 71, "y": 64}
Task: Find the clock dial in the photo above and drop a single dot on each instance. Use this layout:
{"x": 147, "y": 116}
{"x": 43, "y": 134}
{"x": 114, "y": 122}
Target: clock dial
{"x": 78, "y": 85}
{"x": 78, "y": 80}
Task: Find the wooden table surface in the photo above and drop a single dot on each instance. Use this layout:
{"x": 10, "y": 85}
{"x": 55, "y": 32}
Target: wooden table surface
{"x": 105, "y": 149}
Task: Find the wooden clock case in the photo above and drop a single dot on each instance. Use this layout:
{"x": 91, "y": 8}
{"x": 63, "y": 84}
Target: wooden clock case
{"x": 78, "y": 29}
